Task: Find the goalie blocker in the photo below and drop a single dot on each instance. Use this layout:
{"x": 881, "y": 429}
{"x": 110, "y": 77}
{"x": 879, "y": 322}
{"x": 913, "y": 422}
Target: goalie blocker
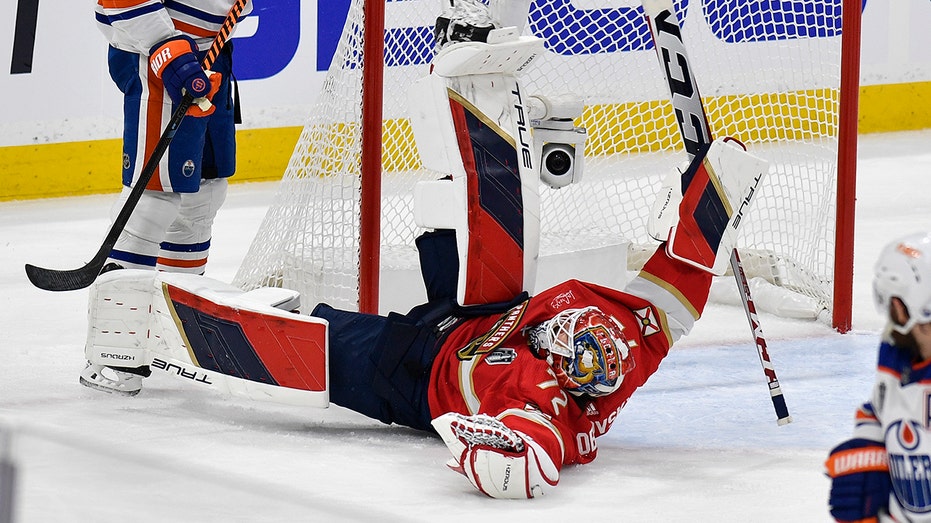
{"x": 723, "y": 180}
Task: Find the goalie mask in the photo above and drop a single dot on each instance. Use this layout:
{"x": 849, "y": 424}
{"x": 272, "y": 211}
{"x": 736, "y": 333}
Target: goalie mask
{"x": 586, "y": 349}
{"x": 903, "y": 271}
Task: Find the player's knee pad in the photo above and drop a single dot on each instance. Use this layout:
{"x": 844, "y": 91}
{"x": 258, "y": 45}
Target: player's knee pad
{"x": 153, "y": 214}
{"x": 198, "y": 211}
{"x": 137, "y": 245}
{"x": 187, "y": 242}
{"x": 723, "y": 183}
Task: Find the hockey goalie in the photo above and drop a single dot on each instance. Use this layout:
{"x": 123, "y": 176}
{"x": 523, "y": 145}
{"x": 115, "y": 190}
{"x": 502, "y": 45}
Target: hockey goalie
{"x": 516, "y": 386}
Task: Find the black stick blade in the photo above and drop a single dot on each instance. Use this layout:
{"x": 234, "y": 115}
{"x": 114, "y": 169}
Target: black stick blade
{"x": 67, "y": 280}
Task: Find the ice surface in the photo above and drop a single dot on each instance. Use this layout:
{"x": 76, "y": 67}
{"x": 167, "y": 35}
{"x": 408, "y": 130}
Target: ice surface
{"x": 699, "y": 442}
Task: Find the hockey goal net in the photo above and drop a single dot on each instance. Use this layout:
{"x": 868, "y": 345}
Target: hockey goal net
{"x": 769, "y": 74}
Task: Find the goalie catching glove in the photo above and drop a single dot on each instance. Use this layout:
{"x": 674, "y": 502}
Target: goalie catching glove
{"x": 175, "y": 63}
{"x": 498, "y": 461}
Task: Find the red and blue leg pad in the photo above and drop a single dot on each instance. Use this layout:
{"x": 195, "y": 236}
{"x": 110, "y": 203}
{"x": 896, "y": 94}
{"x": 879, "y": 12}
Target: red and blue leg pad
{"x": 495, "y": 261}
{"x": 251, "y": 345}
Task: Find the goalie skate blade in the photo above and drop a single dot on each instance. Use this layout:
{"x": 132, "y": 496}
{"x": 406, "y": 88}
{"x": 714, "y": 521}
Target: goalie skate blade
{"x": 109, "y": 390}
{"x": 56, "y": 280}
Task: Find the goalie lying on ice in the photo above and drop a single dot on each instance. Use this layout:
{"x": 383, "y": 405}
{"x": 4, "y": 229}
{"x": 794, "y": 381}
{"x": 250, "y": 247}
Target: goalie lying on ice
{"x": 516, "y": 389}
{"x": 516, "y": 386}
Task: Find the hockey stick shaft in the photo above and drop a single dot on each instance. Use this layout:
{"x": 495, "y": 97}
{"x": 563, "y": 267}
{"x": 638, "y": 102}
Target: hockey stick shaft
{"x": 695, "y": 131}
{"x": 69, "y": 280}
{"x": 775, "y": 391}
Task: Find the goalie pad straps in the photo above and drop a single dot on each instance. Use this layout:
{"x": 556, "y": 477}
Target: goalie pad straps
{"x": 724, "y": 182}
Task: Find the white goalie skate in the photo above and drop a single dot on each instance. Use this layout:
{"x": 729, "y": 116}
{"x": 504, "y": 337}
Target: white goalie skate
{"x": 462, "y": 21}
{"x": 114, "y": 381}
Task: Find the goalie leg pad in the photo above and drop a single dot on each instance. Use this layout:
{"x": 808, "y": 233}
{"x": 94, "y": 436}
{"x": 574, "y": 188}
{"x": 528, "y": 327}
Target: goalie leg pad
{"x": 665, "y": 211}
{"x": 119, "y": 306}
{"x": 228, "y": 333}
{"x": 724, "y": 183}
{"x": 482, "y": 140}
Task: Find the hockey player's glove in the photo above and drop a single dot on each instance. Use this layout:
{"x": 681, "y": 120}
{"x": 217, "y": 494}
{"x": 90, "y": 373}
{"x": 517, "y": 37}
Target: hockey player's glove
{"x": 498, "y": 461}
{"x": 174, "y": 62}
{"x": 860, "y": 486}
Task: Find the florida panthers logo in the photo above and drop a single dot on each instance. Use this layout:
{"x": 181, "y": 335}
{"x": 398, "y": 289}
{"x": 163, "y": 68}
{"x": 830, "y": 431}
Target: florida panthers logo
{"x": 493, "y": 338}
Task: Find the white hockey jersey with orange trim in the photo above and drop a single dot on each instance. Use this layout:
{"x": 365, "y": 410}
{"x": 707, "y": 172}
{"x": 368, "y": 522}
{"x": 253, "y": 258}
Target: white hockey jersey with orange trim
{"x": 899, "y": 415}
{"x": 137, "y": 25}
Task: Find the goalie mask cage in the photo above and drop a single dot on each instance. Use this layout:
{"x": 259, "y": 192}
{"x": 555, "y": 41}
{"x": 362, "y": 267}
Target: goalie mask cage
{"x": 770, "y": 74}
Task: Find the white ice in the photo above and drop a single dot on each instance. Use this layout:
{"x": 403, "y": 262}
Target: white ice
{"x": 698, "y": 443}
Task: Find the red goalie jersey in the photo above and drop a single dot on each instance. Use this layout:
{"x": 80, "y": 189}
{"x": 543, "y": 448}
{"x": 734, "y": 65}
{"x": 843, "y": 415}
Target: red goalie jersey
{"x": 486, "y": 365}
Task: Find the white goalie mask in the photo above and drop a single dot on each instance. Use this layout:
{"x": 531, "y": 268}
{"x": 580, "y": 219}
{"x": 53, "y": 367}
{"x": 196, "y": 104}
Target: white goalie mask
{"x": 586, "y": 349}
{"x": 903, "y": 271}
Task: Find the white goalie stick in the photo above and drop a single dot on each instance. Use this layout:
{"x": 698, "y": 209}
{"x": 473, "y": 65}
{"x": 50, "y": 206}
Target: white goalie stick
{"x": 693, "y": 126}
{"x": 73, "y": 279}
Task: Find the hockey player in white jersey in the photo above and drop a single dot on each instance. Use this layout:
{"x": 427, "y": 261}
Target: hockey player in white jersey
{"x": 155, "y": 53}
{"x": 884, "y": 472}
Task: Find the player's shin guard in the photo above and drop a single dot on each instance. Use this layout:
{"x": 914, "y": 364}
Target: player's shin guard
{"x": 724, "y": 182}
{"x": 137, "y": 246}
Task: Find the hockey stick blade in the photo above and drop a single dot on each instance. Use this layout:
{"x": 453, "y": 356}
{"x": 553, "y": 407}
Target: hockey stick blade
{"x": 695, "y": 132}
{"x": 74, "y": 279}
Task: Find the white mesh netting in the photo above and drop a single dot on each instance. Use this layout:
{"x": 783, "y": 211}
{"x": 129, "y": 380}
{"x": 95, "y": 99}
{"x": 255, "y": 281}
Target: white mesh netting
{"x": 770, "y": 78}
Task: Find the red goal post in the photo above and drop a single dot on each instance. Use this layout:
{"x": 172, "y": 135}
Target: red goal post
{"x": 785, "y": 82}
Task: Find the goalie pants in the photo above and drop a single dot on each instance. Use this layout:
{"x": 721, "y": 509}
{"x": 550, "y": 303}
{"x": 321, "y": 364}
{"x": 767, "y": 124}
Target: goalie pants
{"x": 380, "y": 365}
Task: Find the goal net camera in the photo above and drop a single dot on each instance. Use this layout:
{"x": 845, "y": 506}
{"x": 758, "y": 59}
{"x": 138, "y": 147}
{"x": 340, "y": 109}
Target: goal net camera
{"x": 340, "y": 228}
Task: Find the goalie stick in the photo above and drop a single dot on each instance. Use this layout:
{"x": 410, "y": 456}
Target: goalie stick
{"x": 69, "y": 280}
{"x": 696, "y": 133}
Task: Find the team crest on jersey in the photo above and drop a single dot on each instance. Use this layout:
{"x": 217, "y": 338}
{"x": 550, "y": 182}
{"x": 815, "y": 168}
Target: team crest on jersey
{"x": 647, "y": 320}
{"x": 188, "y": 168}
{"x": 909, "y": 465}
{"x": 495, "y": 336}
{"x": 501, "y": 356}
